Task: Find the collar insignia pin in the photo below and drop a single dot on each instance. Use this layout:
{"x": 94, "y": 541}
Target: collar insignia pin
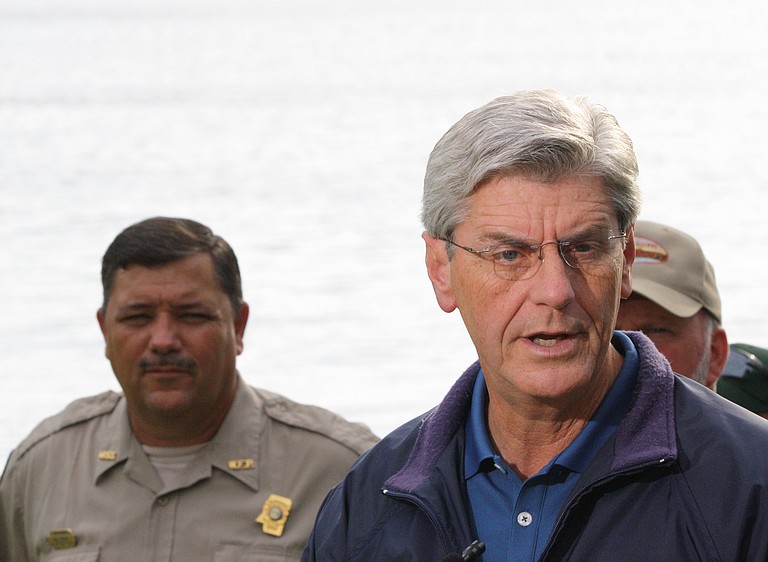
{"x": 240, "y": 464}
{"x": 61, "y": 538}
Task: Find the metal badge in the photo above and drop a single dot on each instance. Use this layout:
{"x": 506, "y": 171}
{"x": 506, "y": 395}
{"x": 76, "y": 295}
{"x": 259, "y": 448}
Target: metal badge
{"x": 240, "y": 464}
{"x": 62, "y": 538}
{"x": 274, "y": 514}
{"x": 107, "y": 455}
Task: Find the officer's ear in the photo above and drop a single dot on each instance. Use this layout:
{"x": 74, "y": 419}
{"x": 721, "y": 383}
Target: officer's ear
{"x": 101, "y": 318}
{"x": 240, "y": 322}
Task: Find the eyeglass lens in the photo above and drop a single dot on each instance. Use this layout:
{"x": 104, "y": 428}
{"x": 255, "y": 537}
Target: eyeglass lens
{"x": 522, "y": 262}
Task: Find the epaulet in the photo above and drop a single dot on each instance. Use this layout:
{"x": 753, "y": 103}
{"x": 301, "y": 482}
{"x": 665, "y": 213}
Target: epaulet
{"x": 353, "y": 435}
{"x": 79, "y": 411}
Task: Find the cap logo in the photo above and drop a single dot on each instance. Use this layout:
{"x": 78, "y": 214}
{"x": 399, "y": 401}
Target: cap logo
{"x": 649, "y": 251}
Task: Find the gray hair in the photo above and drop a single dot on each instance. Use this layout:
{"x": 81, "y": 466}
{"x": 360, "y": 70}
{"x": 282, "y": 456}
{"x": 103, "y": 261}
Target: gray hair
{"x": 541, "y": 135}
{"x": 701, "y": 373}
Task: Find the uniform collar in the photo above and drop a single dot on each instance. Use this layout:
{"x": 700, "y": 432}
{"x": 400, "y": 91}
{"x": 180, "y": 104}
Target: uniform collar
{"x": 234, "y": 449}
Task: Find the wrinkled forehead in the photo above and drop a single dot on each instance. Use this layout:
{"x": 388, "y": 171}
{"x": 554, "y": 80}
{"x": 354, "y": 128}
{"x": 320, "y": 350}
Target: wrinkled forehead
{"x": 529, "y": 208}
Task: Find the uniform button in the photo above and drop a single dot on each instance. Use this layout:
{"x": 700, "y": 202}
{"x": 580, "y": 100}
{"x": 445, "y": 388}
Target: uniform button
{"x": 524, "y": 518}
{"x": 164, "y": 501}
{"x": 275, "y": 514}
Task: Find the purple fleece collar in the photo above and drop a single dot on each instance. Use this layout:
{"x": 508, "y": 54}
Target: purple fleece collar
{"x": 646, "y": 435}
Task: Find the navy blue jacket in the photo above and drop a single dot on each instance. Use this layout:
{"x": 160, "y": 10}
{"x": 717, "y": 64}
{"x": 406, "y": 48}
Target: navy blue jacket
{"x": 684, "y": 477}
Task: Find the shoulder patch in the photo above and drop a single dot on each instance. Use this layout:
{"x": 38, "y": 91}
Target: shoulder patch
{"x": 81, "y": 410}
{"x": 353, "y": 435}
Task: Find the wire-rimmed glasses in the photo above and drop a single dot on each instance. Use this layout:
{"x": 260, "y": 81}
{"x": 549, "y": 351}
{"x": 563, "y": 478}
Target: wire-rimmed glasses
{"x": 516, "y": 260}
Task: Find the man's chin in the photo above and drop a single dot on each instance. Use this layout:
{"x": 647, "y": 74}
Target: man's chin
{"x": 551, "y": 383}
{"x": 169, "y": 403}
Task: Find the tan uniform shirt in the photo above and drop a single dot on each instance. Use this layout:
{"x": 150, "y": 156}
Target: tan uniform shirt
{"x": 82, "y": 482}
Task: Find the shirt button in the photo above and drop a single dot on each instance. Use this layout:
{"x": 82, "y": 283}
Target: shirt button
{"x": 524, "y": 518}
{"x": 164, "y": 501}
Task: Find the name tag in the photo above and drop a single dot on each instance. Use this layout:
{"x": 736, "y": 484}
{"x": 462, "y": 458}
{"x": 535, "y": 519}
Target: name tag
{"x": 61, "y": 539}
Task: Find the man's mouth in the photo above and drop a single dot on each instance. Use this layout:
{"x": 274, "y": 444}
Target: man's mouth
{"x": 547, "y": 340}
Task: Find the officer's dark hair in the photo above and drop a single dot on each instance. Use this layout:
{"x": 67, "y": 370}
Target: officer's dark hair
{"x": 161, "y": 240}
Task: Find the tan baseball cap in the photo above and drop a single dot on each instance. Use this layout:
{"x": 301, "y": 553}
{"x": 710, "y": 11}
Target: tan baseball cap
{"x": 670, "y": 269}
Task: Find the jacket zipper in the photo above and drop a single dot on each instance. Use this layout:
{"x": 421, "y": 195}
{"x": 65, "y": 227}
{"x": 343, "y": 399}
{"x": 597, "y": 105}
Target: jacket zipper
{"x": 589, "y": 487}
{"x": 422, "y": 506}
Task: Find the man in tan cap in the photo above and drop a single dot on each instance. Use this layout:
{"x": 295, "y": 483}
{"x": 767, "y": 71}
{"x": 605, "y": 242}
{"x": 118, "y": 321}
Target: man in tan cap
{"x": 675, "y": 302}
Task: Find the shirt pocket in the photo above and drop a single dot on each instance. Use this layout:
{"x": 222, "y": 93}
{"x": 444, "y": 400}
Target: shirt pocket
{"x": 251, "y": 553}
{"x": 90, "y": 554}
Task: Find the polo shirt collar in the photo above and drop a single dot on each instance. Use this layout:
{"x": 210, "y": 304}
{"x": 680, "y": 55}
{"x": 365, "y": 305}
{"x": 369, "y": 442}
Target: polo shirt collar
{"x": 479, "y": 453}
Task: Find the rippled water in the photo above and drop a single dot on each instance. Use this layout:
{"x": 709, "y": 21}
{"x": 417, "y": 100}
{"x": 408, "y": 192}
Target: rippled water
{"x": 299, "y": 131}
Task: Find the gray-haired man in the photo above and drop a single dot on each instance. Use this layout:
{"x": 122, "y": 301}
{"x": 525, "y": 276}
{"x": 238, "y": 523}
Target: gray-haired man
{"x": 566, "y": 440}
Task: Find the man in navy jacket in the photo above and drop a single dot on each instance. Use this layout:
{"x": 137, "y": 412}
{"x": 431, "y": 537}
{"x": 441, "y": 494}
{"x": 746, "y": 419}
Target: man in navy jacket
{"x": 566, "y": 440}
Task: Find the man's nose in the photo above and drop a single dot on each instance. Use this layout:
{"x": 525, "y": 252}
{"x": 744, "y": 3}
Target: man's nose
{"x": 553, "y": 281}
{"x": 165, "y": 336}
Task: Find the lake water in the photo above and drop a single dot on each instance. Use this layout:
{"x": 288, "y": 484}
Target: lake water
{"x": 300, "y": 130}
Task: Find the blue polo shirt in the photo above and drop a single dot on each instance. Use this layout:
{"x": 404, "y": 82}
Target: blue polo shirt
{"x": 514, "y": 518}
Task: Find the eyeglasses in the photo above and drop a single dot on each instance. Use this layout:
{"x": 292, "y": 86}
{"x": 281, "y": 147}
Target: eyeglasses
{"x": 518, "y": 260}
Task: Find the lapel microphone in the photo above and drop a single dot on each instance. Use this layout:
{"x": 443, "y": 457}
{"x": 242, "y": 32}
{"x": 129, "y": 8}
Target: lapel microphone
{"x": 471, "y": 553}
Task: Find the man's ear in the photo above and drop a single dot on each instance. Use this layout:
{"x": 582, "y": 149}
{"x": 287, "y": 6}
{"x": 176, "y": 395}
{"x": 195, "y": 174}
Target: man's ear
{"x": 629, "y": 259}
{"x": 240, "y": 322}
{"x": 439, "y": 271}
{"x": 100, "y": 318}
{"x": 718, "y": 347}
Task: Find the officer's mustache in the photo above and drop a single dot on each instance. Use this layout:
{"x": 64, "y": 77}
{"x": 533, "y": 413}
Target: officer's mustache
{"x": 177, "y": 362}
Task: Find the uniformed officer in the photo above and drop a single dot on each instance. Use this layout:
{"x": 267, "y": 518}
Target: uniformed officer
{"x": 188, "y": 462}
